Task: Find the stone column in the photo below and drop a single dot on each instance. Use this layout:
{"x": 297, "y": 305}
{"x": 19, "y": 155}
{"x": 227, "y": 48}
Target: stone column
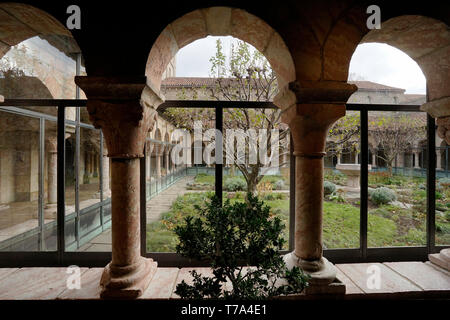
{"x": 148, "y": 158}
{"x": 338, "y": 158}
{"x": 316, "y": 107}
{"x": 158, "y": 165}
{"x": 438, "y": 160}
{"x": 416, "y": 160}
{"x": 401, "y": 160}
{"x": 125, "y": 109}
{"x": 374, "y": 159}
{"x": 167, "y": 162}
{"x": 52, "y": 151}
{"x": 356, "y": 157}
{"x": 105, "y": 174}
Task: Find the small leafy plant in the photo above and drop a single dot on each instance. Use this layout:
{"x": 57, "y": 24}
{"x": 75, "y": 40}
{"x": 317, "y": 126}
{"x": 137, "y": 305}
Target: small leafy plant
{"x": 241, "y": 242}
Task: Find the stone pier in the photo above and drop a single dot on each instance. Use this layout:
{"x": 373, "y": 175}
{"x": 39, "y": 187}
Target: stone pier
{"x": 125, "y": 110}
{"x": 316, "y": 107}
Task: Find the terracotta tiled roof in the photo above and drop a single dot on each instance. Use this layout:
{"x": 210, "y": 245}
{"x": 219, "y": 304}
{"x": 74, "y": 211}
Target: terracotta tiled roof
{"x": 203, "y": 81}
{"x": 373, "y": 86}
{"x": 418, "y": 119}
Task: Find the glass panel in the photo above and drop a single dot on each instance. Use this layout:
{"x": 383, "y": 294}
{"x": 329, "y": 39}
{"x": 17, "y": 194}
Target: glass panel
{"x": 50, "y": 184}
{"x": 70, "y": 176}
{"x": 397, "y": 180}
{"x": 94, "y": 206}
{"x": 177, "y": 179}
{"x": 256, "y": 160}
{"x": 442, "y": 222}
{"x": 19, "y": 183}
{"x": 342, "y": 194}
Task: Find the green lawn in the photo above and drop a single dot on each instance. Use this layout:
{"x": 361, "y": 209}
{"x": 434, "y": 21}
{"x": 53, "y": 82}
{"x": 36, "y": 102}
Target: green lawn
{"x": 388, "y": 225}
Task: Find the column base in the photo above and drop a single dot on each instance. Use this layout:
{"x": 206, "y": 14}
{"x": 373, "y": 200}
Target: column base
{"x": 322, "y": 272}
{"x": 127, "y": 282}
{"x": 441, "y": 259}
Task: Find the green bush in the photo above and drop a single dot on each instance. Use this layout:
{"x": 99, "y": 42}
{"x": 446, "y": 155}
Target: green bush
{"x": 274, "y": 196}
{"x": 229, "y": 236}
{"x": 382, "y": 195}
{"x": 234, "y": 184}
{"x": 328, "y": 188}
{"x": 278, "y": 185}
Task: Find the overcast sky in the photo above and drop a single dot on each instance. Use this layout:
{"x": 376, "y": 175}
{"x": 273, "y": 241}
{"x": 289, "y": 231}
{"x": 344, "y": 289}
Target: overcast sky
{"x": 375, "y": 62}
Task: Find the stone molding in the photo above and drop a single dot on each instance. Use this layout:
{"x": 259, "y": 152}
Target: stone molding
{"x": 443, "y": 130}
{"x": 437, "y": 108}
{"x": 124, "y": 108}
{"x": 329, "y": 92}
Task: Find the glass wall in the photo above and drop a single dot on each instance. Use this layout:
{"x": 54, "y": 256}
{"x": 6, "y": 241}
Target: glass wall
{"x": 180, "y": 172}
{"x": 442, "y": 217}
{"x": 342, "y": 191}
{"x": 256, "y": 159}
{"x": 397, "y": 182}
{"x": 88, "y": 193}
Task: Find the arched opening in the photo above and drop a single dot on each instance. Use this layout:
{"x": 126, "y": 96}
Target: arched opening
{"x": 219, "y": 21}
{"x": 241, "y": 25}
{"x": 400, "y": 136}
{"x": 39, "y": 59}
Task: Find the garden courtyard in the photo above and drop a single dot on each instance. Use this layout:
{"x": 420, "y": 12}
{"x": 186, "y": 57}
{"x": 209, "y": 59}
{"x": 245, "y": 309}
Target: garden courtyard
{"x": 396, "y": 209}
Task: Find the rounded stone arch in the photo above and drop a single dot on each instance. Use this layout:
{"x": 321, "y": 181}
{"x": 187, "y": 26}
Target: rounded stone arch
{"x": 220, "y": 21}
{"x": 20, "y": 22}
{"x": 424, "y": 39}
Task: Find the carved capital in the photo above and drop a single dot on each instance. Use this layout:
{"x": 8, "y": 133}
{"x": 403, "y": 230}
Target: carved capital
{"x": 309, "y": 125}
{"x": 124, "y": 108}
{"x": 443, "y": 129}
{"x": 330, "y": 92}
{"x": 315, "y": 106}
{"x": 438, "y": 108}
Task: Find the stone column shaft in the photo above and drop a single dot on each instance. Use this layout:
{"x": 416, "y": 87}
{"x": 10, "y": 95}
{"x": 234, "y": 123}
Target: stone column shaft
{"x": 416, "y": 160}
{"x": 438, "y": 160}
{"x": 126, "y": 209}
{"x": 158, "y": 166}
{"x": 52, "y": 177}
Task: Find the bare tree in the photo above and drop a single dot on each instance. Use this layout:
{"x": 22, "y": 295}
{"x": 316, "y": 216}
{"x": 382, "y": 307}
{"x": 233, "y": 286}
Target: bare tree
{"x": 394, "y": 134}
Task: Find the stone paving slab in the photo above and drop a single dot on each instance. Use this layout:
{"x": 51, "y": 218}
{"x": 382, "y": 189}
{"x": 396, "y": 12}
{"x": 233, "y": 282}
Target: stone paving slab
{"x": 5, "y": 272}
{"x": 34, "y": 284}
{"x": 403, "y": 279}
{"x": 89, "y": 289}
{"x": 391, "y": 281}
{"x": 422, "y": 275}
{"x": 350, "y": 287}
{"x": 162, "y": 284}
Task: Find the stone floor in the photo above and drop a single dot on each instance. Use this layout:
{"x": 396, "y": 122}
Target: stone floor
{"x": 415, "y": 280}
{"x": 19, "y": 217}
{"x": 162, "y": 202}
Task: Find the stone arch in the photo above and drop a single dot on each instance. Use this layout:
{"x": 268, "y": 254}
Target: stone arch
{"x": 20, "y": 22}
{"x": 426, "y": 41}
{"x": 220, "y": 21}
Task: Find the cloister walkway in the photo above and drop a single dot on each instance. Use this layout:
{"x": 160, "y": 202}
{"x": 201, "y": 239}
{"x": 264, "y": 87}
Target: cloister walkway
{"x": 156, "y": 206}
{"x": 399, "y": 280}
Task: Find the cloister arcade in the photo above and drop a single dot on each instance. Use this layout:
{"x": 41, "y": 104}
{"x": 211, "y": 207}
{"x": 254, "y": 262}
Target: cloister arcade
{"x": 93, "y": 137}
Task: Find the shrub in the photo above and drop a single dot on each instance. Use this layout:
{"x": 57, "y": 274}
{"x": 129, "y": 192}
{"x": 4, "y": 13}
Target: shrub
{"x": 383, "y": 195}
{"x": 234, "y": 184}
{"x": 229, "y": 236}
{"x": 278, "y": 185}
{"x": 274, "y": 196}
{"x": 328, "y": 188}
